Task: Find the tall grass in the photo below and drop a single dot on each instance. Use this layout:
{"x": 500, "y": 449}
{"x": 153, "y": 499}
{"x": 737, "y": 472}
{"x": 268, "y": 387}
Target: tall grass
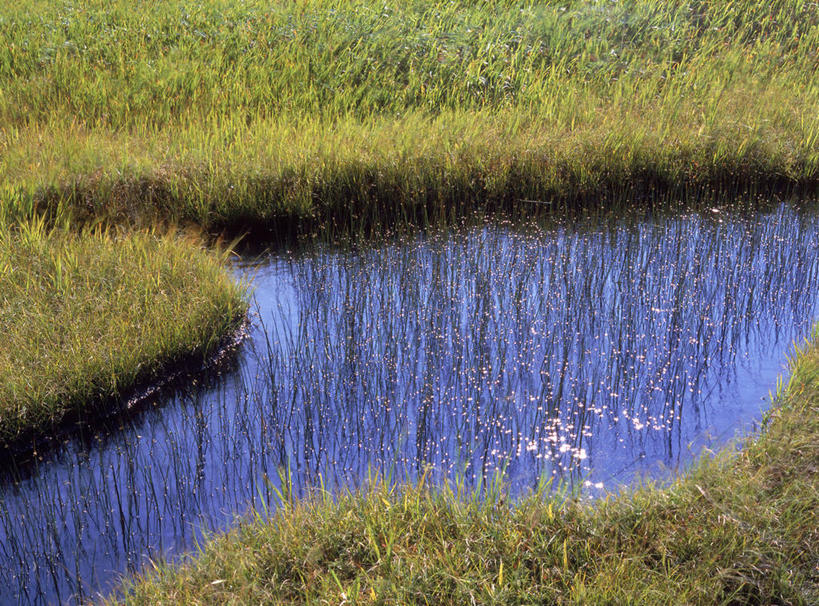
{"x": 258, "y": 114}
{"x": 86, "y": 316}
{"x": 349, "y": 115}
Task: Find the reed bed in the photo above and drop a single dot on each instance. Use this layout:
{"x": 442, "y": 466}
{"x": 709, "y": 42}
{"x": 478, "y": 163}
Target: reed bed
{"x": 348, "y": 118}
{"x": 265, "y": 116}
{"x": 88, "y": 316}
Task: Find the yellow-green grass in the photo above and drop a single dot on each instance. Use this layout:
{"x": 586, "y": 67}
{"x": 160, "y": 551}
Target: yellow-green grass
{"x": 262, "y": 115}
{"x": 740, "y": 528}
{"x": 257, "y": 114}
{"x": 87, "y": 316}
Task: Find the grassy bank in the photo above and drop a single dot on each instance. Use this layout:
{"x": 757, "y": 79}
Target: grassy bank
{"x": 335, "y": 113}
{"x": 740, "y": 528}
{"x": 87, "y": 316}
{"x": 254, "y": 115}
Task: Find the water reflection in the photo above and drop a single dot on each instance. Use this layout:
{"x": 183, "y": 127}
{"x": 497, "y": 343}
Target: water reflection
{"x": 584, "y": 355}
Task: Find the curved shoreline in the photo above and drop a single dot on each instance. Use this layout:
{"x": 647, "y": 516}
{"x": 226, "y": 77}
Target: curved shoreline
{"x": 172, "y": 375}
{"x": 349, "y": 118}
{"x": 739, "y": 527}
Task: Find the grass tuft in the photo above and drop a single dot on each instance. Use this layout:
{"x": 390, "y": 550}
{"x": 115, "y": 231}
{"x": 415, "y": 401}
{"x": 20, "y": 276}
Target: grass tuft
{"x": 87, "y": 316}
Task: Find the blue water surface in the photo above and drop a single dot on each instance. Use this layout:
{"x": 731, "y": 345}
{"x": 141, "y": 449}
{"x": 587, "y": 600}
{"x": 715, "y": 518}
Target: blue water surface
{"x": 587, "y": 355}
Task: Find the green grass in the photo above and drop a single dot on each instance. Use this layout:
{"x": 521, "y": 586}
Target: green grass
{"x": 252, "y": 115}
{"x": 257, "y": 115}
{"x": 87, "y": 316}
{"x": 739, "y": 528}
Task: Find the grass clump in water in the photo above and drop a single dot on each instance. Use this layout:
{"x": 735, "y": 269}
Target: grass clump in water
{"x": 740, "y": 528}
{"x": 87, "y": 316}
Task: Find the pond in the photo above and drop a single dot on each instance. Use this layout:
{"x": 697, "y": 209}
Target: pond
{"x": 580, "y": 356}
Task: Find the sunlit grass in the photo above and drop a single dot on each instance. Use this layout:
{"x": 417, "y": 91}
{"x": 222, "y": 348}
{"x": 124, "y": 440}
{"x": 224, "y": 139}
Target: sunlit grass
{"x": 86, "y": 316}
{"x": 244, "y": 115}
{"x": 334, "y": 113}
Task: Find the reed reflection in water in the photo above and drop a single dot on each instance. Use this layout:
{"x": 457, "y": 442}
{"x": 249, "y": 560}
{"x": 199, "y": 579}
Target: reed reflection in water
{"x": 588, "y": 354}
{"x": 585, "y": 355}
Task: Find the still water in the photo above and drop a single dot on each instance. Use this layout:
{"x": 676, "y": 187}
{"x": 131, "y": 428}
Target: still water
{"x": 588, "y": 356}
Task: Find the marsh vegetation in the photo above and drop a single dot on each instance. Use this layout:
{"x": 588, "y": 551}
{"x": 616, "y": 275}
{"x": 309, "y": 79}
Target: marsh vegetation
{"x": 87, "y": 317}
{"x": 542, "y": 357}
{"x": 616, "y": 315}
{"x": 257, "y": 115}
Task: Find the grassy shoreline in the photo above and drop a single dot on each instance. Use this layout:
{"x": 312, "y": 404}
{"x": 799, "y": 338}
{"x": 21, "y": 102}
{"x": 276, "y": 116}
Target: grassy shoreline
{"x": 343, "y": 115}
{"x": 88, "y": 316}
{"x": 330, "y": 112}
{"x": 740, "y": 527}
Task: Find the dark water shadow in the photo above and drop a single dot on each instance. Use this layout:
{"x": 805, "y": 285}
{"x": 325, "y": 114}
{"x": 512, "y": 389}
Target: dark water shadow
{"x": 102, "y": 418}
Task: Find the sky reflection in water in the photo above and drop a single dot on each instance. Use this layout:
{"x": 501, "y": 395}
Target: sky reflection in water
{"x": 591, "y": 356}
